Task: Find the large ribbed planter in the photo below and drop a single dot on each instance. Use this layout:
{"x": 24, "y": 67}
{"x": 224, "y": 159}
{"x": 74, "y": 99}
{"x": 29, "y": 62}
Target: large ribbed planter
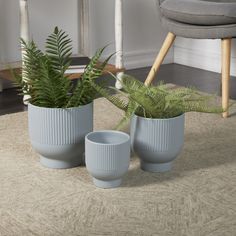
{"x": 157, "y": 142}
{"x": 58, "y": 134}
{"x": 107, "y": 156}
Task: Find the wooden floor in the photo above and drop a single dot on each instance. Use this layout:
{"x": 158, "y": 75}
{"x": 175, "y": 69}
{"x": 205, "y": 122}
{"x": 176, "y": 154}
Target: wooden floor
{"x": 205, "y": 81}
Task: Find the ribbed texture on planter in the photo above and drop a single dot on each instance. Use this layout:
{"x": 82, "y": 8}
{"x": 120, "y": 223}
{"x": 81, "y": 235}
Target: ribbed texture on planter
{"x": 107, "y": 162}
{"x": 157, "y": 141}
{"x": 59, "y": 126}
{"x": 58, "y": 134}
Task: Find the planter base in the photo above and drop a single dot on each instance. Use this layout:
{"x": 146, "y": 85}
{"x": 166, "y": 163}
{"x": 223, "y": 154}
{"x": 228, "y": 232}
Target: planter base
{"x": 60, "y": 164}
{"x": 156, "y": 167}
{"x": 107, "y": 184}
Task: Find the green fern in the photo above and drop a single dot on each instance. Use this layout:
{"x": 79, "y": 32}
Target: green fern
{"x": 44, "y": 74}
{"x": 59, "y": 50}
{"x": 84, "y": 92}
{"x": 158, "y": 102}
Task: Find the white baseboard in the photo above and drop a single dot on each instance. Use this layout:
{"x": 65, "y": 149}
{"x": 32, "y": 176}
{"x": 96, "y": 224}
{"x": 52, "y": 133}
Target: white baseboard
{"x": 205, "y": 60}
{"x": 132, "y": 60}
{"x": 139, "y": 59}
{"x": 7, "y": 65}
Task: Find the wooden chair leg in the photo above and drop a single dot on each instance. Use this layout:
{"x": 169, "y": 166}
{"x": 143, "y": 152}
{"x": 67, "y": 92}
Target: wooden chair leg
{"x": 226, "y": 56}
{"x": 160, "y": 58}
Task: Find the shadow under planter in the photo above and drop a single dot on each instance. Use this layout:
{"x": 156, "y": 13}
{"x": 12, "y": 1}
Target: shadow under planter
{"x": 157, "y": 142}
{"x": 58, "y": 134}
{"x": 107, "y": 156}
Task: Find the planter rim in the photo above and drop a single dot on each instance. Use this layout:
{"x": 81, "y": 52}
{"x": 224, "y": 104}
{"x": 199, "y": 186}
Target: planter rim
{"x": 160, "y": 119}
{"x": 60, "y": 108}
{"x": 127, "y": 137}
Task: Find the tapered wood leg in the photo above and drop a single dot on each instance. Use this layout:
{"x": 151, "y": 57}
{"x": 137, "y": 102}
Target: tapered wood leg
{"x": 160, "y": 58}
{"x": 226, "y": 56}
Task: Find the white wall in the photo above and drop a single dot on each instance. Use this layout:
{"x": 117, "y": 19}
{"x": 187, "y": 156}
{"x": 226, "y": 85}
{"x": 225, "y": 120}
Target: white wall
{"x": 142, "y": 31}
{"x": 143, "y": 34}
{"x": 9, "y": 30}
{"x": 203, "y": 54}
{"x": 44, "y": 16}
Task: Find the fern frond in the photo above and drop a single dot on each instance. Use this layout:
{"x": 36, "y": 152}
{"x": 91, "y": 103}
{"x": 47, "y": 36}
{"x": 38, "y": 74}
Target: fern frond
{"x": 86, "y": 90}
{"x": 59, "y": 50}
{"x": 130, "y": 111}
{"x": 43, "y": 74}
{"x": 114, "y": 99}
{"x": 159, "y": 102}
{"x": 51, "y": 90}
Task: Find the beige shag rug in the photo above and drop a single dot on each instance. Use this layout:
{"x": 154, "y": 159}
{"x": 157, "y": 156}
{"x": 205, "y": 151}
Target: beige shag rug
{"x": 198, "y": 197}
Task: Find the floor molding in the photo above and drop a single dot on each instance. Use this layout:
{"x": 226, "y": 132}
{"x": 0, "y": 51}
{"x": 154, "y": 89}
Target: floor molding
{"x": 7, "y": 65}
{"x": 201, "y": 59}
{"x": 142, "y": 58}
{"x": 132, "y": 60}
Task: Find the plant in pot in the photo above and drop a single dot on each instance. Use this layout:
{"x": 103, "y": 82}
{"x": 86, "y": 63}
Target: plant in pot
{"x": 60, "y": 113}
{"x": 157, "y": 116}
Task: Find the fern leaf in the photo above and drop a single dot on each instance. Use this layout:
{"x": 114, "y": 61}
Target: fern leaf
{"x": 59, "y": 50}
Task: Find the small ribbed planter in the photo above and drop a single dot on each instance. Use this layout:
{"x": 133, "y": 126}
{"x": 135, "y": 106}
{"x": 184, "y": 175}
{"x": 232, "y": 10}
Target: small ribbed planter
{"x": 58, "y": 135}
{"x": 107, "y": 156}
{"x": 157, "y": 142}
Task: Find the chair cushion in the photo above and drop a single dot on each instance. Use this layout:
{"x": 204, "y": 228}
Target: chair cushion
{"x": 199, "y": 31}
{"x": 200, "y": 12}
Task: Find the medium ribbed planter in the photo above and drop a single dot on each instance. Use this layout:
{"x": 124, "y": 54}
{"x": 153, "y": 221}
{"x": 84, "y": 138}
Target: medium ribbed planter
{"x": 157, "y": 142}
{"x": 58, "y": 135}
{"x": 107, "y": 156}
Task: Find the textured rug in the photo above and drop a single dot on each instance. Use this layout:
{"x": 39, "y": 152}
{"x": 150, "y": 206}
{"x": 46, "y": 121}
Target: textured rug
{"x": 198, "y": 197}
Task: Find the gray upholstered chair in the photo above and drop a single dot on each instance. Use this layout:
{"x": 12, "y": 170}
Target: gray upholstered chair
{"x": 199, "y": 19}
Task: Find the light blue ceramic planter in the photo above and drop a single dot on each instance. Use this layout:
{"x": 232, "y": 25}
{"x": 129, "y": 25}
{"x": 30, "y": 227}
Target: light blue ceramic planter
{"x": 107, "y": 156}
{"x": 58, "y": 135}
{"x": 157, "y": 142}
